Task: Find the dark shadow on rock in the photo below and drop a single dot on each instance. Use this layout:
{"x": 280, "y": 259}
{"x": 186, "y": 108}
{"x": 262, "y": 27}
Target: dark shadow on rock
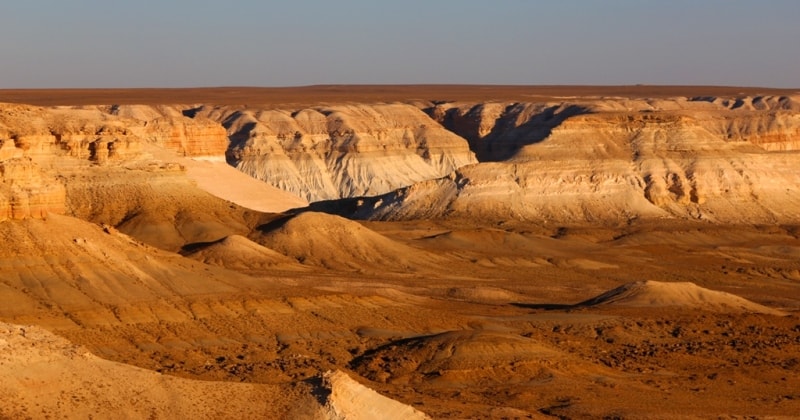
{"x": 545, "y": 306}
{"x": 318, "y": 389}
{"x": 506, "y": 138}
{"x": 279, "y": 222}
{"x": 237, "y": 140}
{"x": 196, "y": 246}
{"x": 191, "y": 112}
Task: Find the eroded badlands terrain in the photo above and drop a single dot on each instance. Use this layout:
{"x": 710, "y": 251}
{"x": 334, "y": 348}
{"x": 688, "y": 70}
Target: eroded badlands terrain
{"x": 400, "y": 252}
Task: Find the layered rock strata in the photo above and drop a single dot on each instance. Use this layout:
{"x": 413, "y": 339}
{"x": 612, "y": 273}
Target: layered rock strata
{"x": 724, "y": 160}
{"x": 340, "y": 151}
{"x": 117, "y": 170}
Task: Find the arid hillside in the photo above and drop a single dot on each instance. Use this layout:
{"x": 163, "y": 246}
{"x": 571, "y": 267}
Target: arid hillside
{"x": 343, "y": 252}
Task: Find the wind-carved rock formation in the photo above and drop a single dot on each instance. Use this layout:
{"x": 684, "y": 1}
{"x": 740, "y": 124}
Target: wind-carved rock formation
{"x": 341, "y": 151}
{"x": 614, "y": 160}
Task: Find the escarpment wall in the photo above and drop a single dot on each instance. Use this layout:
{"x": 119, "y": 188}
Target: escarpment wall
{"x": 614, "y": 160}
{"x": 593, "y": 159}
{"x": 496, "y": 131}
{"x": 42, "y": 149}
{"x": 341, "y": 151}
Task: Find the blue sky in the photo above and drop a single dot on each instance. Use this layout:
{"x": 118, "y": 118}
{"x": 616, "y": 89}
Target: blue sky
{"x": 147, "y": 43}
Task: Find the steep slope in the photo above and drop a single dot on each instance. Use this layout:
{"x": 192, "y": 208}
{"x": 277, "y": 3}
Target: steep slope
{"x": 27, "y": 191}
{"x": 497, "y": 131}
{"x": 340, "y": 151}
{"x": 157, "y": 204}
{"x": 223, "y": 181}
{"x": 618, "y": 160}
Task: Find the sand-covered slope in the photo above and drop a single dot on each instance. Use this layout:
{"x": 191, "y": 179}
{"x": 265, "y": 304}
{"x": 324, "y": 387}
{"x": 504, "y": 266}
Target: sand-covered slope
{"x": 125, "y": 167}
{"x": 224, "y": 181}
{"x": 156, "y": 204}
{"x": 44, "y": 375}
{"x": 652, "y": 293}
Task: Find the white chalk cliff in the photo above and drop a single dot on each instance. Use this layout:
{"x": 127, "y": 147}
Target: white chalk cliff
{"x": 726, "y": 160}
{"x": 340, "y": 151}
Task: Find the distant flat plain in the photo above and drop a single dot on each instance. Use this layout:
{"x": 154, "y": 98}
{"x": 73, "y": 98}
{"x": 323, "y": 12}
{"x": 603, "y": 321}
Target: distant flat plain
{"x": 320, "y": 94}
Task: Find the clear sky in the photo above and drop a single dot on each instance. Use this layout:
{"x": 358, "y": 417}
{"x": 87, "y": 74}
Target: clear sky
{"x": 177, "y": 43}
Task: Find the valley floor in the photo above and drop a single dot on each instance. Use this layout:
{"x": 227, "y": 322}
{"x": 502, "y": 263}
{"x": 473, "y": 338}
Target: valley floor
{"x": 489, "y": 330}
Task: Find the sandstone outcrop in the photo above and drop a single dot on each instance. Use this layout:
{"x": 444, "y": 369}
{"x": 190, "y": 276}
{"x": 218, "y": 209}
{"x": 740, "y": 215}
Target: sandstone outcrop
{"x": 104, "y": 133}
{"x": 340, "y": 151}
{"x": 123, "y": 167}
{"x": 27, "y": 192}
{"x": 601, "y": 159}
{"x": 497, "y": 131}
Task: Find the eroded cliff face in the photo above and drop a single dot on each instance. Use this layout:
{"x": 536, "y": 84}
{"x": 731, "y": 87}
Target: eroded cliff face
{"x": 84, "y": 161}
{"x": 497, "y": 131}
{"x": 27, "y": 192}
{"x": 75, "y": 158}
{"x": 103, "y": 133}
{"x": 720, "y": 159}
{"x": 340, "y": 151}
{"x": 724, "y": 160}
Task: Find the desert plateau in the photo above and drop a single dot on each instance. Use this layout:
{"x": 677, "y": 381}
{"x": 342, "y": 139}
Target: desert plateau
{"x": 400, "y": 252}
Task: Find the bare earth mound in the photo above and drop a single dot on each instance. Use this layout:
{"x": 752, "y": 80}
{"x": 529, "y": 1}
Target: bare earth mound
{"x": 334, "y": 242}
{"x": 241, "y": 254}
{"x": 465, "y": 357}
{"x": 684, "y": 294}
{"x": 63, "y": 265}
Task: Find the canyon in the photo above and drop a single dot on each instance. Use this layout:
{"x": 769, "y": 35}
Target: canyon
{"x": 400, "y": 252}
